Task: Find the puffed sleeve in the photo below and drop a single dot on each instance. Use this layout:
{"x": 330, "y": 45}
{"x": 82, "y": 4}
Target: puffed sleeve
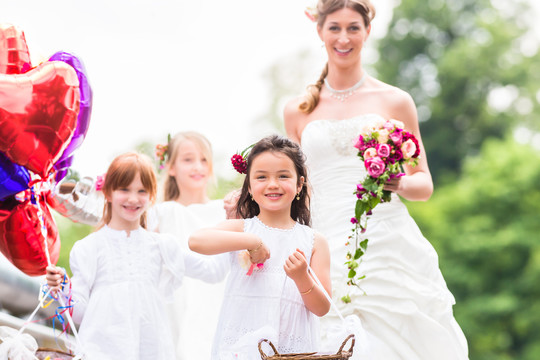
{"x": 173, "y": 268}
{"x": 83, "y": 263}
{"x": 208, "y": 268}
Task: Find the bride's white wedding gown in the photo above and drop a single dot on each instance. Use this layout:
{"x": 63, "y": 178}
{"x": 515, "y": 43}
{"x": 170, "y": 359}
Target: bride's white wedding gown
{"x": 406, "y": 310}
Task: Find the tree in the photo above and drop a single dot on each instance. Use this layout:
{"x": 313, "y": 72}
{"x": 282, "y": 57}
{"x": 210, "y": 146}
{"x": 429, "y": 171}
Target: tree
{"x": 485, "y": 228}
{"x": 472, "y": 68}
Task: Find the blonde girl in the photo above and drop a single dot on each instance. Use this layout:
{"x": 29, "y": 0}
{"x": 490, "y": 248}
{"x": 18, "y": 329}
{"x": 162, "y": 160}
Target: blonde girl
{"x": 187, "y": 207}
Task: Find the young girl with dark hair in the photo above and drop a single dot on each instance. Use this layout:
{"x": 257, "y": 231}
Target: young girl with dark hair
{"x": 280, "y": 294}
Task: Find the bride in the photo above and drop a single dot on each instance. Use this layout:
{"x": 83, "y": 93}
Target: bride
{"x": 404, "y": 303}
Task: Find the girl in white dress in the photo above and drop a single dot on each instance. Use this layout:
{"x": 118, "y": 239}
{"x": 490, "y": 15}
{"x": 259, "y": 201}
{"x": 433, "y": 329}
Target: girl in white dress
{"x": 279, "y": 299}
{"x": 189, "y": 170}
{"x": 123, "y": 274}
{"x": 404, "y": 303}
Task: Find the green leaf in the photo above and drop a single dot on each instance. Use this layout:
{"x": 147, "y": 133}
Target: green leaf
{"x": 359, "y": 210}
{"x": 363, "y": 244}
{"x": 358, "y": 254}
{"x": 352, "y": 274}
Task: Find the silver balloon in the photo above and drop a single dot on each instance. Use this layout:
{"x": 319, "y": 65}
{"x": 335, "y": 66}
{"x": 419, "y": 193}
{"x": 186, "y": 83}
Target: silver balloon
{"x": 78, "y": 201}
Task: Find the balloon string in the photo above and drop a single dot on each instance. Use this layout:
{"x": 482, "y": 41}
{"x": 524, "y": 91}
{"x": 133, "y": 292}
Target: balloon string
{"x": 44, "y": 232}
{"x": 29, "y": 320}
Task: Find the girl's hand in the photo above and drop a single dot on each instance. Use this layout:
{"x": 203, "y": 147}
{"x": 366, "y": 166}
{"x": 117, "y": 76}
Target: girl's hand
{"x": 260, "y": 254}
{"x": 229, "y": 203}
{"x": 54, "y": 277}
{"x": 296, "y": 265}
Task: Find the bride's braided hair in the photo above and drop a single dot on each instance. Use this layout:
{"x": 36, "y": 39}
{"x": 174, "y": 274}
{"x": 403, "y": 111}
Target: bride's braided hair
{"x": 325, "y": 8}
{"x": 247, "y": 208}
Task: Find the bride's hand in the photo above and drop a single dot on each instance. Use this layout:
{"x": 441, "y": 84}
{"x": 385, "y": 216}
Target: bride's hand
{"x": 393, "y": 185}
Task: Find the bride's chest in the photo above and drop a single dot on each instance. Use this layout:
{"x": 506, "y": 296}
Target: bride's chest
{"x": 325, "y": 137}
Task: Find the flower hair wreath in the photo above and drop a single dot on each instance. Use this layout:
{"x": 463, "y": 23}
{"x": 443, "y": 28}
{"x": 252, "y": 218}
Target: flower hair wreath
{"x": 239, "y": 161}
{"x": 162, "y": 152}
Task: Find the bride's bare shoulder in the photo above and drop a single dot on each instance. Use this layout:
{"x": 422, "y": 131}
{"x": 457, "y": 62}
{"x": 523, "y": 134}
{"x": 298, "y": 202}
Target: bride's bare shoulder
{"x": 292, "y": 108}
{"x": 397, "y": 99}
{"x": 294, "y": 118}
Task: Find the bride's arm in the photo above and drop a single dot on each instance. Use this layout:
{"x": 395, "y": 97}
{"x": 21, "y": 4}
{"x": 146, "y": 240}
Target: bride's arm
{"x": 417, "y": 185}
{"x": 291, "y": 117}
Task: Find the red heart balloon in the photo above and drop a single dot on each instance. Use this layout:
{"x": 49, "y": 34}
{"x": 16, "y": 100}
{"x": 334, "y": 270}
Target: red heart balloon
{"x": 14, "y": 56}
{"x": 38, "y": 115}
{"x": 21, "y": 240}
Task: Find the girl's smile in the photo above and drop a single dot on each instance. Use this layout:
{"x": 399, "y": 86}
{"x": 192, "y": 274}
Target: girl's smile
{"x": 273, "y": 182}
{"x": 191, "y": 168}
{"x": 128, "y": 204}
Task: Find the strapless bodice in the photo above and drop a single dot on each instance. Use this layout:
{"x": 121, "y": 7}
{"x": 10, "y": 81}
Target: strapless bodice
{"x": 334, "y": 168}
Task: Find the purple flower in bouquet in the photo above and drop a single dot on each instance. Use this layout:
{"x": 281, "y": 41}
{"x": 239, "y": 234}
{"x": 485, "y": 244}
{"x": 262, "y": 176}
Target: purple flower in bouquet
{"x": 360, "y": 191}
{"x": 396, "y": 155}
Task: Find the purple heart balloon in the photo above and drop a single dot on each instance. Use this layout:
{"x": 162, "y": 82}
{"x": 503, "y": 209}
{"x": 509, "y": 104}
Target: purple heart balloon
{"x": 13, "y": 178}
{"x": 83, "y": 119}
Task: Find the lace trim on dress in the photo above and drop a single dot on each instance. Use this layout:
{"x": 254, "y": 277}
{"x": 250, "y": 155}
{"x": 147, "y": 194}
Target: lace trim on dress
{"x": 274, "y": 228}
{"x": 343, "y": 133}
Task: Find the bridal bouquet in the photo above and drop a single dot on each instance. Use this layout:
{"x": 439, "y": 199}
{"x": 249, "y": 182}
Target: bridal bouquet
{"x": 383, "y": 148}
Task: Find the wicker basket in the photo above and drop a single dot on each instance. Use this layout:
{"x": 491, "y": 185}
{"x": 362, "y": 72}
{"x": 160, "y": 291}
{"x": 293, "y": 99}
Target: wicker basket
{"x": 42, "y": 353}
{"x": 340, "y": 355}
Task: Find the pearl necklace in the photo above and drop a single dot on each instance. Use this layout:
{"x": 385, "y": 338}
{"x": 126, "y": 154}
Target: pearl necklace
{"x": 344, "y": 94}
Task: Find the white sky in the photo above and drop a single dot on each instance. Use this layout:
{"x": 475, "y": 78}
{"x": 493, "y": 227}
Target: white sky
{"x": 163, "y": 66}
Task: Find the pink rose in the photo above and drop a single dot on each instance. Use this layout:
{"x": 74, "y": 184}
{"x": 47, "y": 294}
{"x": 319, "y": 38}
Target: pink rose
{"x": 408, "y": 148}
{"x": 383, "y": 150}
{"x": 375, "y": 166}
{"x": 396, "y": 137}
{"x": 370, "y": 153}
